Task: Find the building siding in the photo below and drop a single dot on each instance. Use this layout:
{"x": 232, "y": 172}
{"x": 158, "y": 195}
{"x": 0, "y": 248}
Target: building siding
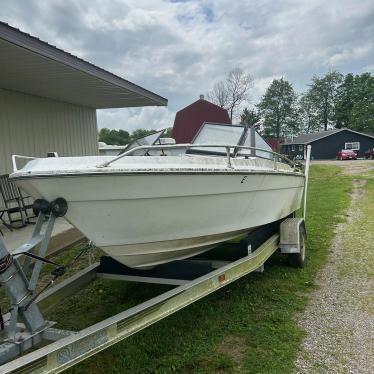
{"x": 33, "y": 126}
{"x": 327, "y": 148}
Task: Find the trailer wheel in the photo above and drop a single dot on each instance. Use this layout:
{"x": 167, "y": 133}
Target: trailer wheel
{"x": 299, "y": 259}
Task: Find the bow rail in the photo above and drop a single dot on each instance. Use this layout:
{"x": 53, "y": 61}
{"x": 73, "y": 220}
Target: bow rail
{"x": 228, "y": 149}
{"x": 232, "y": 151}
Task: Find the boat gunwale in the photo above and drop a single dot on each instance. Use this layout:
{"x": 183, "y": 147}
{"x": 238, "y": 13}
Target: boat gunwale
{"x": 152, "y": 172}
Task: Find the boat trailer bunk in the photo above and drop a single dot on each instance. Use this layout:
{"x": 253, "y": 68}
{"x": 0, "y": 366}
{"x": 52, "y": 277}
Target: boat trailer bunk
{"x": 24, "y": 326}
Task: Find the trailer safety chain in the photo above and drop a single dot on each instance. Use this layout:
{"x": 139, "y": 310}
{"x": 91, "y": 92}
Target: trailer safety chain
{"x": 39, "y": 258}
{"x": 84, "y": 250}
{"x": 57, "y": 272}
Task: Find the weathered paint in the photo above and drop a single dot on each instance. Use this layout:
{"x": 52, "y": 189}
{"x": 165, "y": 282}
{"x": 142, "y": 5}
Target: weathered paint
{"x": 33, "y": 126}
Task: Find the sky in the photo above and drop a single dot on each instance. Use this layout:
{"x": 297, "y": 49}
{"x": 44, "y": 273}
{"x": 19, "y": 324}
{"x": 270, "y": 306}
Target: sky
{"x": 180, "y": 49}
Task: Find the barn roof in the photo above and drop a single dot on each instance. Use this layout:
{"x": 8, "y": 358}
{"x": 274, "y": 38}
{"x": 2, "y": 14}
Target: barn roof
{"x": 32, "y": 66}
{"x": 312, "y": 137}
{"x": 189, "y": 119}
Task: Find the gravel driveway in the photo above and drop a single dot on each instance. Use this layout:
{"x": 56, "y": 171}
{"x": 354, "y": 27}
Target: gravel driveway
{"x": 339, "y": 320}
{"x": 358, "y": 167}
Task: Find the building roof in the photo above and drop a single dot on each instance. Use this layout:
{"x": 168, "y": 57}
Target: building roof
{"x": 189, "y": 119}
{"x": 32, "y": 66}
{"x": 312, "y": 137}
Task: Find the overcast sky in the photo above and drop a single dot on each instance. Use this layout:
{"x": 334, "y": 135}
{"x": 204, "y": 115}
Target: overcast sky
{"x": 179, "y": 49}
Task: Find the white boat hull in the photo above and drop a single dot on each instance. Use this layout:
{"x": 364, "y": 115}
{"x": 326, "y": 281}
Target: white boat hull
{"x": 142, "y": 220}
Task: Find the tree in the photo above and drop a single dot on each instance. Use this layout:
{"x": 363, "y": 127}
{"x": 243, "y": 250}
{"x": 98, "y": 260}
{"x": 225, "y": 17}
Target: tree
{"x": 121, "y": 137}
{"x": 140, "y": 133}
{"x": 231, "y": 92}
{"x": 344, "y": 102}
{"x": 307, "y": 113}
{"x": 249, "y": 117}
{"x": 114, "y": 137}
{"x": 168, "y": 131}
{"x": 362, "y": 113}
{"x": 124, "y": 136}
{"x": 219, "y": 95}
{"x": 323, "y": 92}
{"x": 354, "y": 106}
{"x": 104, "y": 135}
{"x": 278, "y": 108}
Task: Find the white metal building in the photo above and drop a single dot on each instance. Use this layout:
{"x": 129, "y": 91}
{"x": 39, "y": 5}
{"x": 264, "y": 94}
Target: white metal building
{"x": 48, "y": 98}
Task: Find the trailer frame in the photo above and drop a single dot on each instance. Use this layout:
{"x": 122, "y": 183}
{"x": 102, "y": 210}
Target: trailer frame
{"x": 68, "y": 348}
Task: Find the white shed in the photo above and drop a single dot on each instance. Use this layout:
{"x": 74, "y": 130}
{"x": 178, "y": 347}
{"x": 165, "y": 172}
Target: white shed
{"x": 48, "y": 98}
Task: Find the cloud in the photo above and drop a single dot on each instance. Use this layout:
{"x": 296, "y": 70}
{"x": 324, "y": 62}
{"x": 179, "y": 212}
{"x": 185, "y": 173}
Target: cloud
{"x": 179, "y": 49}
{"x": 134, "y": 118}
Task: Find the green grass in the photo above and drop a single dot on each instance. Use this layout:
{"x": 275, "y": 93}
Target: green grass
{"x": 246, "y": 327}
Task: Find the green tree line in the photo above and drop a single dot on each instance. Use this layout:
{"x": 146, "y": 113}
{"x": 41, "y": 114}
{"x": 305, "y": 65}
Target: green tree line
{"x": 122, "y": 137}
{"x": 333, "y": 100}
{"x": 330, "y": 101}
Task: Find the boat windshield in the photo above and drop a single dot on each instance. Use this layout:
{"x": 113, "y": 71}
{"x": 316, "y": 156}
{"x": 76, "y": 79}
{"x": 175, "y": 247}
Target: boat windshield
{"x": 213, "y": 133}
{"x": 259, "y": 143}
{"x": 145, "y": 140}
{"x": 217, "y": 134}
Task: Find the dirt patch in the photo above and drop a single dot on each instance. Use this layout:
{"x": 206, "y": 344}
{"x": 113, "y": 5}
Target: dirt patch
{"x": 358, "y": 169}
{"x": 357, "y": 183}
{"x": 234, "y": 347}
{"x": 339, "y": 319}
{"x": 350, "y": 167}
{"x": 356, "y": 194}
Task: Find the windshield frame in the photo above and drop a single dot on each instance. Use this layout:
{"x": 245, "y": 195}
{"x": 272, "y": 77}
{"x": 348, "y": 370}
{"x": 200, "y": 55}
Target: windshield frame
{"x": 256, "y": 149}
{"x": 215, "y": 152}
{"x": 129, "y": 146}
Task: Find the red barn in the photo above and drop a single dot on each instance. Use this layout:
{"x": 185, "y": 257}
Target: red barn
{"x": 274, "y": 143}
{"x": 189, "y": 119}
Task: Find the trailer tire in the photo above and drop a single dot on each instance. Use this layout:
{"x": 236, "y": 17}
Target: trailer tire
{"x": 299, "y": 259}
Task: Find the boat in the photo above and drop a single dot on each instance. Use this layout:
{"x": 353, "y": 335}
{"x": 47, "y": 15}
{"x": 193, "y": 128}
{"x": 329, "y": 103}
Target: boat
{"x": 149, "y": 206}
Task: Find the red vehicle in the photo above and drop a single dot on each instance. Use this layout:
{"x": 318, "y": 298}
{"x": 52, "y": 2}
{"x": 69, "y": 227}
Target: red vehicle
{"x": 346, "y": 154}
{"x": 369, "y": 154}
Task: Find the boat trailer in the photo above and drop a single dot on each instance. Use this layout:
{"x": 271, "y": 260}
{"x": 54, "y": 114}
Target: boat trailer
{"x": 31, "y": 344}
{"x": 24, "y": 326}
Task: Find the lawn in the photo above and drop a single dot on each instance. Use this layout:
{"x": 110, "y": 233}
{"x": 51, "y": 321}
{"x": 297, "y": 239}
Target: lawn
{"x": 246, "y": 327}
